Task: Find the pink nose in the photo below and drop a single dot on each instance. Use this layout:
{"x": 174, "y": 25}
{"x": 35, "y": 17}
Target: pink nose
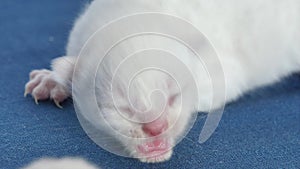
{"x": 155, "y": 127}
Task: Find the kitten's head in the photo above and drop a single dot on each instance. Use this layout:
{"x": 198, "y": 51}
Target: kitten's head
{"x": 149, "y": 115}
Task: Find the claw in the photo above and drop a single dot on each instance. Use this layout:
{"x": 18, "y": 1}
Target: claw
{"x": 25, "y": 93}
{"x": 36, "y": 100}
{"x": 57, "y": 104}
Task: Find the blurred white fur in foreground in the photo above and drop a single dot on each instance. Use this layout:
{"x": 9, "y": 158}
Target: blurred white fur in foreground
{"x": 64, "y": 163}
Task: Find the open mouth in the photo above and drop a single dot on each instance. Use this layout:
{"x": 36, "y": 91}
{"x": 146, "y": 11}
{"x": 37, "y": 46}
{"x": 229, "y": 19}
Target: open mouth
{"x": 154, "y": 148}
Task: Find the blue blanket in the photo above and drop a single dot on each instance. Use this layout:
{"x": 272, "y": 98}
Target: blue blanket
{"x": 261, "y": 130}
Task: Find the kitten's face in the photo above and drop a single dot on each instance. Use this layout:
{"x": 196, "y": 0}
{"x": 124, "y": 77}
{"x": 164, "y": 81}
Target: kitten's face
{"x": 153, "y": 141}
{"x": 151, "y": 134}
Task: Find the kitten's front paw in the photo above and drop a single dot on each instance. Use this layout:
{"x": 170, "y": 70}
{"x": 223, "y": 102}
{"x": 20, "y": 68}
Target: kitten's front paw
{"x": 43, "y": 85}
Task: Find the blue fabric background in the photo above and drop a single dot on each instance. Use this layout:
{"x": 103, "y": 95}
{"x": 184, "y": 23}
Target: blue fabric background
{"x": 262, "y": 130}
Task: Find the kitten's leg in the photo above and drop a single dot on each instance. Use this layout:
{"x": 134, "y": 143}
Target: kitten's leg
{"x": 52, "y": 84}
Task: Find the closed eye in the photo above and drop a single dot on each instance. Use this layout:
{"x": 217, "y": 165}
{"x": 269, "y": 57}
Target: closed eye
{"x": 173, "y": 98}
{"x": 125, "y": 110}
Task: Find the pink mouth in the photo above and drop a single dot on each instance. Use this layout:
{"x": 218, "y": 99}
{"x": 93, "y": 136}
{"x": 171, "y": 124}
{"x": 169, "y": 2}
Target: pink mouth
{"x": 154, "y": 148}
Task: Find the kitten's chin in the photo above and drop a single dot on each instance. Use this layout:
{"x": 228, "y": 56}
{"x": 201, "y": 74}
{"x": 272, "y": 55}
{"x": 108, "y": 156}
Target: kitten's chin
{"x": 157, "y": 157}
{"x": 155, "y": 151}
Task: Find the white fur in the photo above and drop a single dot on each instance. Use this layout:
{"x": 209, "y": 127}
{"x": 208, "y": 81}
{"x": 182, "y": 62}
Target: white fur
{"x": 64, "y": 163}
{"x": 258, "y": 43}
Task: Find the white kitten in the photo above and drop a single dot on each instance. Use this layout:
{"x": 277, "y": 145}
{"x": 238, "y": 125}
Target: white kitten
{"x": 258, "y": 43}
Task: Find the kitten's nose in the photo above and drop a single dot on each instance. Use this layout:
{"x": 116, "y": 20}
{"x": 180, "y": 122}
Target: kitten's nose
{"x": 156, "y": 127}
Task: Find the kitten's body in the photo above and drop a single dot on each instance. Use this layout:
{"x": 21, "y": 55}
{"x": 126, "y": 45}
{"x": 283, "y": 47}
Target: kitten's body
{"x": 258, "y": 43}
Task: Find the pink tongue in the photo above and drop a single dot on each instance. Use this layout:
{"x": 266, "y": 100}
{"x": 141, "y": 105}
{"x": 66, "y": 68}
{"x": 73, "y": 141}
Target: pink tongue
{"x": 158, "y": 142}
